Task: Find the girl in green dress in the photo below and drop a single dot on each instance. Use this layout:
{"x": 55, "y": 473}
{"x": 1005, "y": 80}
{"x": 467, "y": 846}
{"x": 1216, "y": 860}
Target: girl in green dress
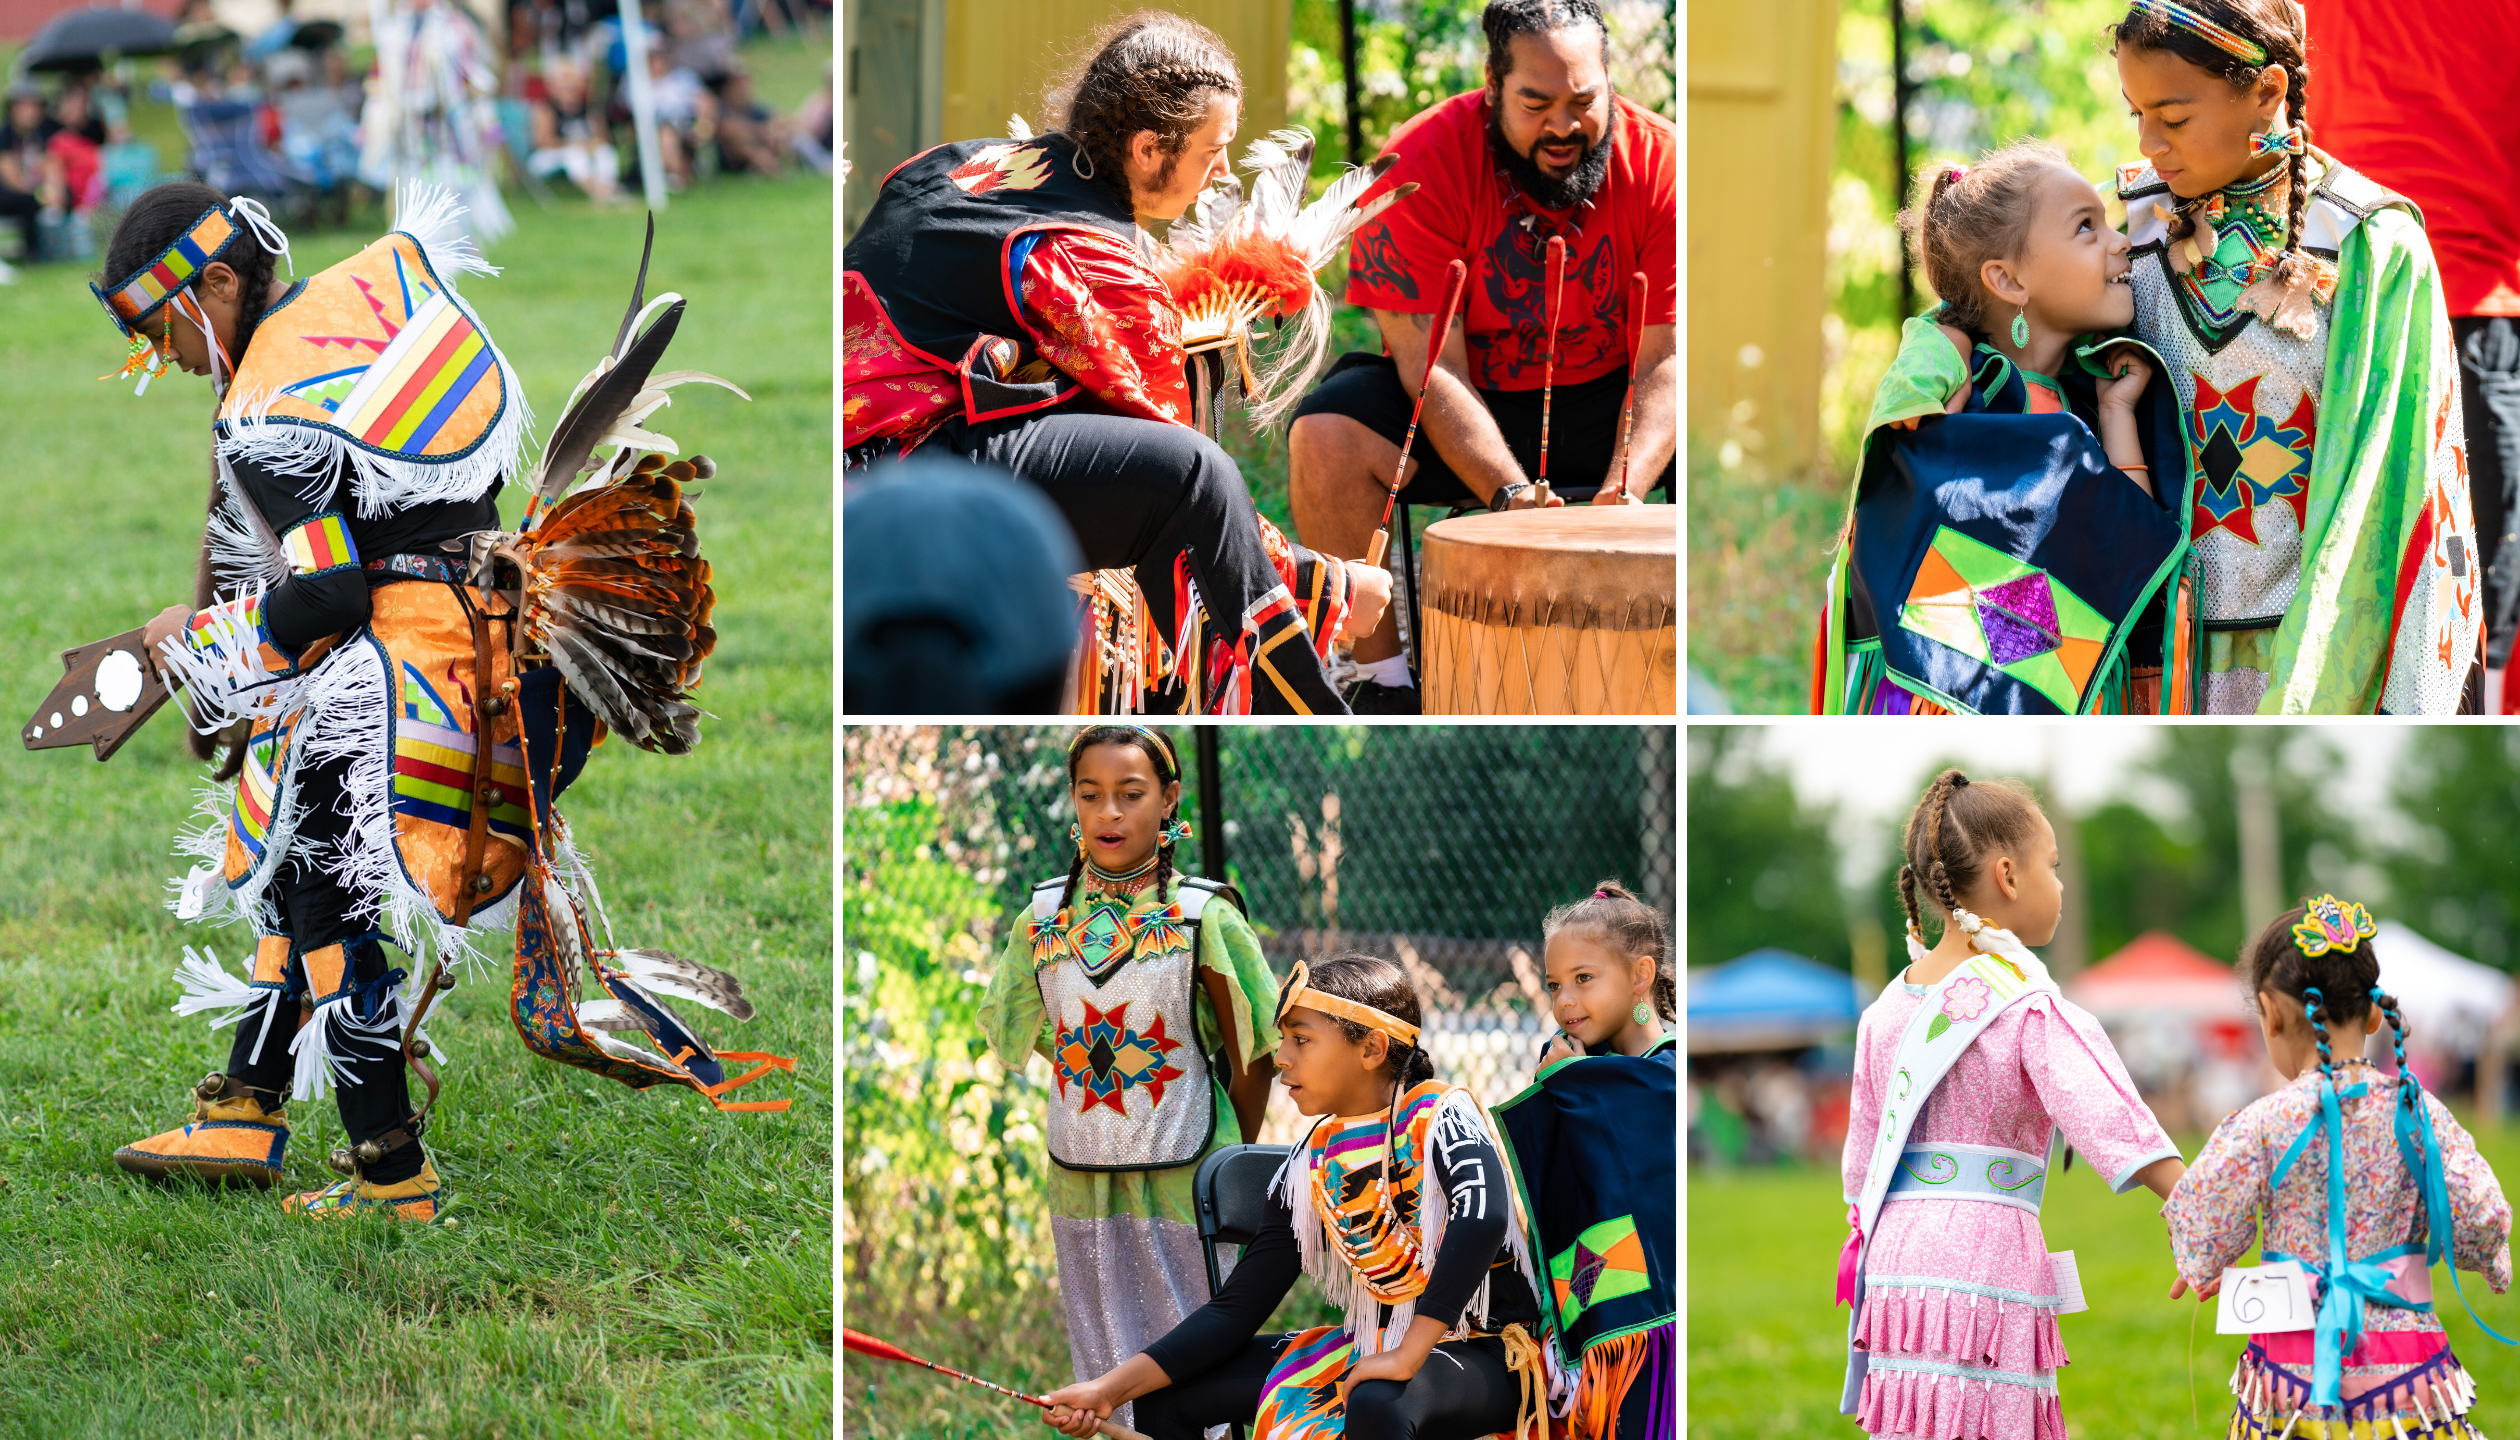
{"x": 1145, "y": 990}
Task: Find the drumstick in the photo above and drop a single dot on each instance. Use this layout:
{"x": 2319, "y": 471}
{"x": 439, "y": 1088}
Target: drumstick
{"x": 869, "y": 1345}
{"x": 1636, "y": 347}
{"x": 1456, "y": 279}
{"x": 1548, "y": 362}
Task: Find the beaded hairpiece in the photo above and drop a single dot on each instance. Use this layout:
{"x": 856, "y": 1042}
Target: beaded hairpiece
{"x": 2170, "y": 12}
{"x": 140, "y": 294}
{"x": 2332, "y": 924}
{"x": 1297, "y": 992}
{"x": 1171, "y": 761}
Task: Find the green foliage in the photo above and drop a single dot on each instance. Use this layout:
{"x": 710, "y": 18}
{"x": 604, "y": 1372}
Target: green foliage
{"x": 1767, "y": 1354}
{"x": 2456, "y": 878}
{"x": 1762, "y": 865}
{"x": 624, "y": 1263}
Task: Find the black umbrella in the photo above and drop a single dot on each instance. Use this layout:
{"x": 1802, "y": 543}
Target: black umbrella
{"x": 316, "y": 35}
{"x": 86, "y": 39}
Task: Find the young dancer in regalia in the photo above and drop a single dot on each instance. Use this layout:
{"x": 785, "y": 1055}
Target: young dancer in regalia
{"x": 2412, "y": 1192}
{"x": 1594, "y": 1158}
{"x": 1129, "y": 977}
{"x": 2298, "y": 311}
{"x": 2017, "y": 556}
{"x": 999, "y": 304}
{"x": 1398, "y": 1205}
{"x": 1964, "y": 1068}
{"x": 366, "y": 422}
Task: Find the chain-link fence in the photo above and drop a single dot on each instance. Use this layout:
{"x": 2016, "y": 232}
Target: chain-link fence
{"x": 1441, "y": 847}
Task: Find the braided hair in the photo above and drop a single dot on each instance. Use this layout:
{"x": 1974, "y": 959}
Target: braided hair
{"x": 159, "y": 218}
{"x": 1166, "y": 773}
{"x": 2280, "y": 28}
{"x": 1629, "y": 926}
{"x": 1151, "y": 71}
{"x": 1505, "y": 20}
{"x": 1952, "y": 831}
{"x": 2337, "y": 988}
{"x": 1958, "y": 218}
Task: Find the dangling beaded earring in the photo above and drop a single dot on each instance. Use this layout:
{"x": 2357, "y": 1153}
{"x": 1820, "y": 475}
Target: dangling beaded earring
{"x": 1076, "y": 837}
{"x": 1175, "y": 831}
{"x": 2021, "y": 328}
{"x": 1640, "y": 1014}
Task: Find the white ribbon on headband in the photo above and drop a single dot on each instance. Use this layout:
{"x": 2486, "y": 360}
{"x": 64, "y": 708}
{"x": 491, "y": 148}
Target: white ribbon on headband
{"x": 255, "y": 217}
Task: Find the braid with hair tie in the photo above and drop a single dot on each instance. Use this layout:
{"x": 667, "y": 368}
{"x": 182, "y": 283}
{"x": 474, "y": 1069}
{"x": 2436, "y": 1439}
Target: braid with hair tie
{"x": 1907, "y": 897}
{"x": 2397, "y": 1035}
{"x": 2315, "y": 1005}
{"x": 1939, "y": 877}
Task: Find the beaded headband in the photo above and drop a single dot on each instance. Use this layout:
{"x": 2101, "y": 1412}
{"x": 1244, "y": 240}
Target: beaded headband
{"x": 2332, "y": 924}
{"x": 2171, "y": 13}
{"x": 142, "y": 293}
{"x": 1171, "y": 760}
{"x": 1298, "y": 992}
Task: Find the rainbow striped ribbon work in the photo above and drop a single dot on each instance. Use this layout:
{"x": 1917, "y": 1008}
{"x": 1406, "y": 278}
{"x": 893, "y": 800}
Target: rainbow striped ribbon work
{"x": 2173, "y": 13}
{"x": 320, "y": 544}
{"x": 139, "y": 296}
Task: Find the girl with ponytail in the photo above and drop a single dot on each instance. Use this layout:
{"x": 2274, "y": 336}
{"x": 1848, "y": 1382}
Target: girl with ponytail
{"x": 1145, "y": 991}
{"x": 2016, "y": 554}
{"x": 1966, "y": 1067}
{"x": 2361, "y": 1182}
{"x": 1398, "y": 1204}
{"x": 1607, "y": 970}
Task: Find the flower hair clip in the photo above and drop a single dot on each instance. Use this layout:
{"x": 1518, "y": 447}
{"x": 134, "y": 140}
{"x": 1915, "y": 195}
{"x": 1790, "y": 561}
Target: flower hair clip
{"x": 2332, "y": 924}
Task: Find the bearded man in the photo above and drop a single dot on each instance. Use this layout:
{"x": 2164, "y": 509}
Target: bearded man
{"x": 1546, "y": 149}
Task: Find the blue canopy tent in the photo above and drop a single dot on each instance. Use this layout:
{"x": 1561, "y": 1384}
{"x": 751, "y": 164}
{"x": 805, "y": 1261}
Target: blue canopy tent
{"x": 1770, "y": 999}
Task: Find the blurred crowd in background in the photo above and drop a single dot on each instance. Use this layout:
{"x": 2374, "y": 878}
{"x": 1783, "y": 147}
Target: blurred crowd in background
{"x": 315, "y": 115}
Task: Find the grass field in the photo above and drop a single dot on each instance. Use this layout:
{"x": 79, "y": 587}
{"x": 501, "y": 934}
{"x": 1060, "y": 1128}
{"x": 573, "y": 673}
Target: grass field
{"x": 1767, "y": 1353}
{"x": 625, "y": 1264}
{"x": 1758, "y": 561}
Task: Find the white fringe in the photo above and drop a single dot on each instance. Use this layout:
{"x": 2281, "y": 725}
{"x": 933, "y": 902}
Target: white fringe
{"x": 207, "y": 985}
{"x": 314, "y": 454}
{"x": 434, "y": 217}
{"x": 244, "y": 554}
{"x": 224, "y": 681}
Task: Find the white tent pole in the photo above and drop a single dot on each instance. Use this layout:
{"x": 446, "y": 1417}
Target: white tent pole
{"x": 634, "y": 44}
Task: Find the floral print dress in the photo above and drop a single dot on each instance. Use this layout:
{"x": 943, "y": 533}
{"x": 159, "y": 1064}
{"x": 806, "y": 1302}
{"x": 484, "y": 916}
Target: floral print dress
{"x": 2228, "y": 1203}
{"x": 1960, "y": 1305}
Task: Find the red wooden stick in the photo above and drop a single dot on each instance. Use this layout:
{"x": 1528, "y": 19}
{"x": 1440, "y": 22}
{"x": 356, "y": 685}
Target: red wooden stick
{"x": 1456, "y": 279}
{"x": 869, "y": 1345}
{"x": 1636, "y": 347}
{"x": 1548, "y": 362}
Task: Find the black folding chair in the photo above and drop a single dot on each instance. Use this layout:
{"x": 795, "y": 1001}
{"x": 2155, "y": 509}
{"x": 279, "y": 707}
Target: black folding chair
{"x": 1231, "y": 1192}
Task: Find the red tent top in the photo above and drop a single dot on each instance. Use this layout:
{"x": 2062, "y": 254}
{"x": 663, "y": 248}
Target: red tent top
{"x": 2157, "y": 971}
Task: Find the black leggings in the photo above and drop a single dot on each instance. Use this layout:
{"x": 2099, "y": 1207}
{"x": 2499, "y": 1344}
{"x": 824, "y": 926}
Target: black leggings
{"x": 1139, "y": 493}
{"x": 315, "y": 911}
{"x": 1464, "y": 1391}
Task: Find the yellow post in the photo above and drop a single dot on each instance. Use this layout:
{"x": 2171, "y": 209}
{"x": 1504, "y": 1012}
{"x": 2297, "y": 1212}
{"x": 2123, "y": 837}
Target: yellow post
{"x": 1000, "y": 56}
{"x": 1762, "y": 119}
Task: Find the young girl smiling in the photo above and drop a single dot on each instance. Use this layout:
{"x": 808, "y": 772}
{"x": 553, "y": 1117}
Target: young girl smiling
{"x": 1398, "y": 1205}
{"x": 1127, "y": 976}
{"x": 2017, "y": 555}
{"x": 1607, "y": 970}
{"x": 1965, "y": 1067}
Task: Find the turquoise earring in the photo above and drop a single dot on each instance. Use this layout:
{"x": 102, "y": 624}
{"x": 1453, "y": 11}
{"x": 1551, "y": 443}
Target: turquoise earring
{"x": 2021, "y": 327}
{"x": 1640, "y": 1014}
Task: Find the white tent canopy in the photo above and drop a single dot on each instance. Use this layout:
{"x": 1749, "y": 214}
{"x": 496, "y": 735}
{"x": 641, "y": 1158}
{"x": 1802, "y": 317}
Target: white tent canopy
{"x": 2449, "y": 1001}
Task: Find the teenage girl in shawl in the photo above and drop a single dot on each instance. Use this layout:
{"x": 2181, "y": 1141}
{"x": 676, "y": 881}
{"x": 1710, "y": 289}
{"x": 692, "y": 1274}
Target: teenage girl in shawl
{"x": 2412, "y": 1191}
{"x": 1596, "y": 1163}
{"x": 2301, "y": 318}
{"x": 2015, "y": 556}
{"x": 1128, "y": 976}
{"x": 1397, "y": 1204}
{"x": 1964, "y": 1068}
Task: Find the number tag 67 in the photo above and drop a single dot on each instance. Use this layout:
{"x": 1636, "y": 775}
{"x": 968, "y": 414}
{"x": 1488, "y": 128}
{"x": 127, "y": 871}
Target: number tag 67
{"x": 2264, "y": 1300}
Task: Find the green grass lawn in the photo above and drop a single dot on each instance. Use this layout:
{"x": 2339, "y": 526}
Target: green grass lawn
{"x": 1767, "y": 1352}
{"x": 1758, "y": 563}
{"x": 626, "y": 1264}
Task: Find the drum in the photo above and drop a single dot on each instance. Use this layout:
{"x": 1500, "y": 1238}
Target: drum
{"x": 1571, "y": 611}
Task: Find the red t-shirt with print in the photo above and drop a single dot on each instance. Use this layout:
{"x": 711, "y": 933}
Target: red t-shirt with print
{"x": 1467, "y": 209}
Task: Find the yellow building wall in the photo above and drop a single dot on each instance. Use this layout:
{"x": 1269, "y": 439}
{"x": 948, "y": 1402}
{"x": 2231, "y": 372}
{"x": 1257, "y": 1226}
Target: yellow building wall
{"x": 1762, "y": 122}
{"x": 1000, "y": 56}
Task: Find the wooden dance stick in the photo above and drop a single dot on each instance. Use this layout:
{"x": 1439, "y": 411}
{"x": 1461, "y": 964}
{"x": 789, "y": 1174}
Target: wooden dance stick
{"x": 1636, "y": 348}
{"x": 1456, "y": 279}
{"x": 869, "y": 1345}
{"x": 1548, "y": 357}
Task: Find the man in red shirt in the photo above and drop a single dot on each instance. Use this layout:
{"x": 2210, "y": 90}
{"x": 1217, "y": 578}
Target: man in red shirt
{"x": 2422, "y": 96}
{"x": 1545, "y": 150}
